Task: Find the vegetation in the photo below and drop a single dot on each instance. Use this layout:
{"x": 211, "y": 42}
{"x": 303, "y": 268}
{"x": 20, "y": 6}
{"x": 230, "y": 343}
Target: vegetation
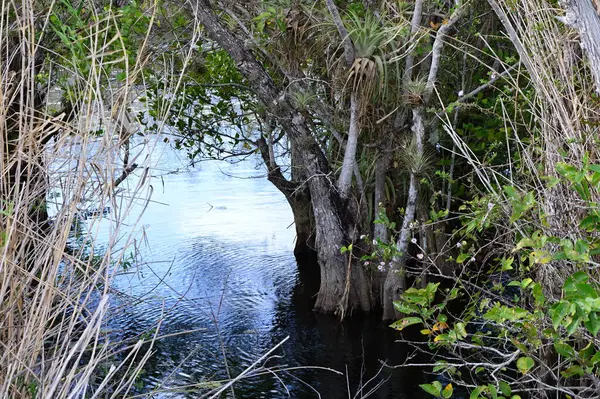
{"x": 440, "y": 159}
{"x": 63, "y": 131}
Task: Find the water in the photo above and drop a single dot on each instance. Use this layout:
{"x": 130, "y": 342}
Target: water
{"x": 217, "y": 260}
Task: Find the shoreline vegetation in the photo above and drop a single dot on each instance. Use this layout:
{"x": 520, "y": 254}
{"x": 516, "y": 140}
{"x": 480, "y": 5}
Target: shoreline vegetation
{"x": 440, "y": 159}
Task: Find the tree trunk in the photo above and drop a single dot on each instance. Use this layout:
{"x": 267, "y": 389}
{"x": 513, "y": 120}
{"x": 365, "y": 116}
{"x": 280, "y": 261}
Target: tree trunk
{"x": 303, "y": 220}
{"x": 395, "y": 282}
{"x": 381, "y": 166}
{"x": 343, "y": 285}
{"x": 297, "y": 196}
{"x": 345, "y": 180}
{"x": 380, "y": 231}
{"x": 584, "y": 16}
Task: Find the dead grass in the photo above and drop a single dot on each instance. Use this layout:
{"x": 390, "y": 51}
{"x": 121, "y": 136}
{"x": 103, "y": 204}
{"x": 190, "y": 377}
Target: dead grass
{"x": 55, "y": 296}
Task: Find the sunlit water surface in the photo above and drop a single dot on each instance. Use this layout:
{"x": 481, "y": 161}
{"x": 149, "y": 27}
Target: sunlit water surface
{"x": 216, "y": 246}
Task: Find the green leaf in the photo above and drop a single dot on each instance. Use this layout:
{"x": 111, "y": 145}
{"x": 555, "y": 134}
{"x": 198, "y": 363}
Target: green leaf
{"x": 585, "y": 355}
{"x": 441, "y": 365}
{"x": 564, "y": 349}
{"x": 576, "y": 278}
{"x": 558, "y": 312}
{"x": 460, "y": 330}
{"x": 405, "y": 322}
{"x": 581, "y": 247}
{"x": 524, "y": 364}
{"x": 590, "y": 223}
{"x": 504, "y": 388}
{"x": 493, "y": 392}
{"x": 573, "y": 370}
{"x": 475, "y": 394}
{"x": 572, "y": 327}
{"x": 447, "y": 392}
{"x": 586, "y": 290}
{"x": 538, "y": 295}
{"x": 511, "y": 192}
{"x": 595, "y": 359}
{"x": 462, "y": 257}
{"x": 405, "y": 308}
{"x": 434, "y": 388}
{"x": 525, "y": 283}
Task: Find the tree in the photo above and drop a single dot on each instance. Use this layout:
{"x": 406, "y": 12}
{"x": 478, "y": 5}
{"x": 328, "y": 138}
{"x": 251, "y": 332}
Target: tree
{"x": 360, "y": 86}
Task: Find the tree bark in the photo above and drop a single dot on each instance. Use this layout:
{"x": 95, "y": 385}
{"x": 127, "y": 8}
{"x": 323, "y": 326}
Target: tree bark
{"x": 381, "y": 166}
{"x": 297, "y": 196}
{"x": 345, "y": 180}
{"x": 584, "y": 16}
{"x": 334, "y": 225}
{"x": 395, "y": 282}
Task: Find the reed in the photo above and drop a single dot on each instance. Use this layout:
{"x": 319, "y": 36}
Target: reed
{"x": 55, "y": 291}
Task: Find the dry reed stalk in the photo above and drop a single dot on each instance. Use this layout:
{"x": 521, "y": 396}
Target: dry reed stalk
{"x": 54, "y": 301}
{"x": 564, "y": 112}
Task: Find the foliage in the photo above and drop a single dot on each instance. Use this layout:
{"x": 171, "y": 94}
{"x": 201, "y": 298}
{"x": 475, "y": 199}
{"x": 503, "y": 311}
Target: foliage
{"x": 503, "y": 344}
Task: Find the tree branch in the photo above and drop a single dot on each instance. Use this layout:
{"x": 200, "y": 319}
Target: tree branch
{"x": 486, "y": 85}
{"x": 344, "y": 35}
{"x": 438, "y": 44}
{"x": 415, "y": 24}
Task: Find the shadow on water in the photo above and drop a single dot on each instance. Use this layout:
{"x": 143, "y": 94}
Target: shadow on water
{"x": 251, "y": 321}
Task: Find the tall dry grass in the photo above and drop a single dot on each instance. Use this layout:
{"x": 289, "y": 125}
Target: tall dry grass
{"x": 565, "y": 115}
{"x": 55, "y": 292}
{"x": 557, "y": 113}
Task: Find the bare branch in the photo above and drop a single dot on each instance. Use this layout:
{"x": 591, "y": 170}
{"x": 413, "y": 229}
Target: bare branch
{"x": 344, "y": 35}
{"x": 438, "y": 45}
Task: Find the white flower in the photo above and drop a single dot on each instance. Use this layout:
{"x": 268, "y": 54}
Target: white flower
{"x": 472, "y": 260}
{"x": 367, "y": 263}
{"x": 414, "y": 240}
{"x": 362, "y": 237}
{"x": 494, "y": 75}
{"x": 490, "y": 205}
{"x": 461, "y": 93}
{"x": 374, "y": 242}
{"x": 381, "y": 263}
{"x": 411, "y": 225}
{"x": 458, "y": 245}
{"x": 420, "y": 256}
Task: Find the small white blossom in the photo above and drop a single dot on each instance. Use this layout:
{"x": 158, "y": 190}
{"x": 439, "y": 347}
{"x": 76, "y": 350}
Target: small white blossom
{"x": 362, "y": 237}
{"x": 490, "y": 205}
{"x": 472, "y": 260}
{"x": 494, "y": 75}
{"x": 374, "y": 242}
{"x": 414, "y": 240}
{"x": 461, "y": 93}
{"x": 411, "y": 225}
{"x": 420, "y": 256}
{"x": 458, "y": 244}
{"x": 381, "y": 263}
{"x": 381, "y": 268}
{"x": 367, "y": 263}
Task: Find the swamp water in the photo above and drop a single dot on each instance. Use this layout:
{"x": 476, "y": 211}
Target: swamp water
{"x": 216, "y": 260}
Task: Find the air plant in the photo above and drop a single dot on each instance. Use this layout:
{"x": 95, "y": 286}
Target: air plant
{"x": 374, "y": 43}
{"x": 414, "y": 90}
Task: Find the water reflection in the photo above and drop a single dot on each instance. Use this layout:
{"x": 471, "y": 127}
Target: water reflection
{"x": 217, "y": 260}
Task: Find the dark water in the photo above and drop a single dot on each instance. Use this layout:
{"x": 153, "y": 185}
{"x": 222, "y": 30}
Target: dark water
{"x": 217, "y": 260}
